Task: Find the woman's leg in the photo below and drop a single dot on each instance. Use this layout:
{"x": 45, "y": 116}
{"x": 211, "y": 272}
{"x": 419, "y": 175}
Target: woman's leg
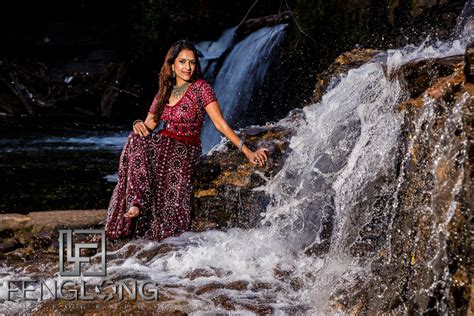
{"x": 138, "y": 177}
{"x": 173, "y": 195}
{"x": 132, "y": 192}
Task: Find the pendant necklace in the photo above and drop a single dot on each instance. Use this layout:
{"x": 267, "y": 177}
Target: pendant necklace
{"x": 178, "y": 91}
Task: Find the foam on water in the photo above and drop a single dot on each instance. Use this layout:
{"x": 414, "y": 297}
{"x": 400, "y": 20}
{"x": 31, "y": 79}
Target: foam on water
{"x": 343, "y": 143}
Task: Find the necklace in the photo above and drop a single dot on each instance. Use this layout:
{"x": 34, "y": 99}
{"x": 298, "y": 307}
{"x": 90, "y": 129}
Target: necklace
{"x": 178, "y": 91}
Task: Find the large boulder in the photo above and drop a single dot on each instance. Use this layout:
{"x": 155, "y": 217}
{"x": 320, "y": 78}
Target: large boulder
{"x": 225, "y": 181}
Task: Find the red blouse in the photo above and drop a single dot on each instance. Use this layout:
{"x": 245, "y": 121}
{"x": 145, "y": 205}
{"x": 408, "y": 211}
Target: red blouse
{"x": 183, "y": 121}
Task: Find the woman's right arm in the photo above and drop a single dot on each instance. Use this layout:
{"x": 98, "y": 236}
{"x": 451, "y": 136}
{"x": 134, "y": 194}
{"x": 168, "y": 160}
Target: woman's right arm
{"x": 144, "y": 128}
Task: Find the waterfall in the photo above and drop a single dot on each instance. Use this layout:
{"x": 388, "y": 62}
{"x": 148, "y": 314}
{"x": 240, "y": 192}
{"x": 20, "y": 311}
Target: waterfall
{"x": 242, "y": 73}
{"x": 210, "y": 53}
{"x": 339, "y": 174}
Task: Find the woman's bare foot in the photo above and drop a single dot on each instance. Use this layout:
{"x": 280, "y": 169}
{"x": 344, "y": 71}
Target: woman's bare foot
{"x": 134, "y": 211}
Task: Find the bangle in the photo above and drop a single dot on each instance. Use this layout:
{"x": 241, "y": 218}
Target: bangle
{"x": 241, "y": 144}
{"x": 135, "y": 122}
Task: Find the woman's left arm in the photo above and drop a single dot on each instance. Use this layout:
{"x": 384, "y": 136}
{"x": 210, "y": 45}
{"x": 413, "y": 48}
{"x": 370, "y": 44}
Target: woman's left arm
{"x": 256, "y": 157}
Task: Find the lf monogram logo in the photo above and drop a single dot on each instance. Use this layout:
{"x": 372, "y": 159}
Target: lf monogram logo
{"x": 75, "y": 257}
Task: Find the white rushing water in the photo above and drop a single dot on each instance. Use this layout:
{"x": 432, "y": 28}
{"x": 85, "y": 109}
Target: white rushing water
{"x": 343, "y": 143}
{"x": 343, "y": 146}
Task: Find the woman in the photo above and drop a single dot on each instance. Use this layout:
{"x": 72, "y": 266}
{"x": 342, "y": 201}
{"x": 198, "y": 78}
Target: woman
{"x": 152, "y": 198}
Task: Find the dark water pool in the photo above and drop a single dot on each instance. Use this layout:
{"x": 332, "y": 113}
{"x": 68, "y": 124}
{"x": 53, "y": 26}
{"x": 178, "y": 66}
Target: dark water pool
{"x": 69, "y": 169}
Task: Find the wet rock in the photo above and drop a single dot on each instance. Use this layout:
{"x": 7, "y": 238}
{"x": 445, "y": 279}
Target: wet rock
{"x": 237, "y": 285}
{"x": 320, "y": 248}
{"x": 147, "y": 255}
{"x": 225, "y": 180}
{"x": 6, "y": 233}
{"x": 296, "y": 283}
{"x": 9, "y": 244}
{"x": 39, "y": 230}
{"x": 203, "y": 193}
{"x": 199, "y": 273}
{"x": 14, "y": 221}
{"x": 287, "y": 276}
{"x": 259, "y": 285}
{"x": 252, "y": 25}
{"x": 52, "y": 220}
{"x": 203, "y": 225}
{"x": 469, "y": 63}
{"x": 282, "y": 274}
{"x": 213, "y": 170}
{"x": 223, "y": 301}
{"x": 209, "y": 288}
{"x": 205, "y": 273}
{"x": 130, "y": 250}
{"x": 418, "y": 76}
{"x": 20, "y": 255}
{"x": 41, "y": 241}
{"x": 259, "y": 309}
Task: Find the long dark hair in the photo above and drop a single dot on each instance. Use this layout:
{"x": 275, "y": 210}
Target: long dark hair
{"x": 166, "y": 80}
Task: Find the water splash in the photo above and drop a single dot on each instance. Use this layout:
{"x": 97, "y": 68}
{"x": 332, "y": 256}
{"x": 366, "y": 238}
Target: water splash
{"x": 465, "y": 22}
{"x": 339, "y": 174}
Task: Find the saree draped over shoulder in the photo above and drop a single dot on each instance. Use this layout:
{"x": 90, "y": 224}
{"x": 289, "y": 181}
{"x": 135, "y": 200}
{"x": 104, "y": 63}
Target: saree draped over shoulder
{"x": 155, "y": 171}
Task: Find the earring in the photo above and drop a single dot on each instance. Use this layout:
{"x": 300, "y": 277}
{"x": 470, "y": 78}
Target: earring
{"x": 173, "y": 74}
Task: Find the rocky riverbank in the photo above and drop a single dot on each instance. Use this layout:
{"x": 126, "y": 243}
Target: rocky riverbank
{"x": 408, "y": 275}
{"x": 222, "y": 176}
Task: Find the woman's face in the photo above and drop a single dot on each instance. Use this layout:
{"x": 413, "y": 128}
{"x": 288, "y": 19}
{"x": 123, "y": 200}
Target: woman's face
{"x": 184, "y": 66}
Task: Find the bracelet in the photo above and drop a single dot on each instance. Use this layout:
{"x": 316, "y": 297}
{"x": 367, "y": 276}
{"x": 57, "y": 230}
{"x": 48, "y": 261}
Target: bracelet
{"x": 241, "y": 144}
{"x": 135, "y": 122}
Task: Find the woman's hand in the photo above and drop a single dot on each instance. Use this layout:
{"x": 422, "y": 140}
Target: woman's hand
{"x": 134, "y": 211}
{"x": 258, "y": 157}
{"x": 140, "y": 128}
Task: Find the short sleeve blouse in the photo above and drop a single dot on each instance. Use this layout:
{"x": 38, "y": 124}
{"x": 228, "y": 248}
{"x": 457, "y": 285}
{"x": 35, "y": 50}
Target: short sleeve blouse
{"x": 186, "y": 116}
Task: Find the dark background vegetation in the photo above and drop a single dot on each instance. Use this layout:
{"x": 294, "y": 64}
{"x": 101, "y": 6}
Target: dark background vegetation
{"x": 85, "y": 36}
